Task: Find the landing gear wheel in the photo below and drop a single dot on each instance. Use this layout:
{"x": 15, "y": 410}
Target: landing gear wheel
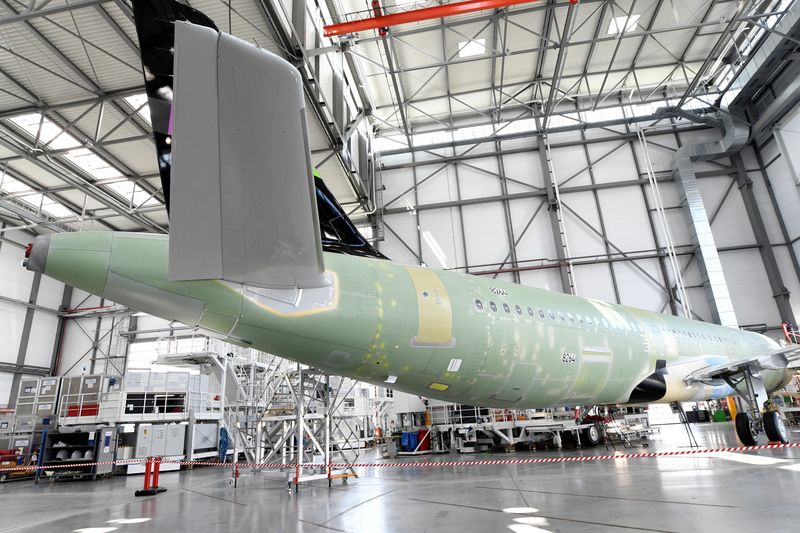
{"x": 590, "y": 436}
{"x": 775, "y": 427}
{"x": 746, "y": 429}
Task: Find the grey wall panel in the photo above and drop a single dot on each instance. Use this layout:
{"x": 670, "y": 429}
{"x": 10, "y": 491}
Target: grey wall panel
{"x": 618, "y": 208}
{"x": 583, "y": 234}
{"x": 400, "y": 234}
{"x": 635, "y": 287}
{"x": 594, "y": 281}
{"x": 749, "y": 287}
{"x": 440, "y": 188}
{"x": 40, "y": 344}
{"x": 485, "y": 225}
{"x": 567, "y": 162}
{"x": 611, "y": 162}
{"x": 441, "y": 238}
{"x": 768, "y": 214}
{"x": 727, "y": 226}
{"x": 479, "y": 179}
{"x": 524, "y": 168}
{"x": 12, "y": 317}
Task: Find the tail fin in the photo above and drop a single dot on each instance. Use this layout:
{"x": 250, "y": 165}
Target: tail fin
{"x": 156, "y": 28}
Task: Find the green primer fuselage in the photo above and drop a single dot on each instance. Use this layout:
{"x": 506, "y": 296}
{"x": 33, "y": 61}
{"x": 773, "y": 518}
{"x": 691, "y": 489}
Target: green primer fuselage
{"x": 421, "y": 328}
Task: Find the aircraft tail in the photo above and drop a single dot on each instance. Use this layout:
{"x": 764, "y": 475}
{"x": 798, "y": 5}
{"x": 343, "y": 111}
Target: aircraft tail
{"x": 231, "y": 137}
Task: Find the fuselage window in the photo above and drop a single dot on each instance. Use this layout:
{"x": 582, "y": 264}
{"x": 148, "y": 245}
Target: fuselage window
{"x": 493, "y": 306}
{"x": 552, "y": 315}
{"x": 479, "y": 305}
{"x": 571, "y": 317}
{"x": 606, "y": 324}
{"x": 530, "y": 312}
{"x": 541, "y": 313}
{"x": 561, "y": 316}
{"x": 518, "y": 309}
{"x": 597, "y": 322}
{"x": 506, "y": 308}
{"x": 580, "y": 319}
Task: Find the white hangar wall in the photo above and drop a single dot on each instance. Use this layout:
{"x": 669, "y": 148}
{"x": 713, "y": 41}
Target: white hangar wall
{"x": 447, "y": 208}
{"x": 29, "y": 321}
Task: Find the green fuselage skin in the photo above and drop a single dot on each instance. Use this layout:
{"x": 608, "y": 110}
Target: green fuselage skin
{"x": 374, "y": 328}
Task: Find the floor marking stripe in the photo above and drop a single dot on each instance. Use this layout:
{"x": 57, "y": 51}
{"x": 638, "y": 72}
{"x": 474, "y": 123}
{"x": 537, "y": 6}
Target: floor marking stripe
{"x": 435, "y": 464}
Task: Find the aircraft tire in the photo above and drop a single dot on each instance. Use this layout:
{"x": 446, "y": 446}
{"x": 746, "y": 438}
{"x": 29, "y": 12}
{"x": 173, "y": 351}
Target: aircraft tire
{"x": 590, "y": 436}
{"x": 775, "y": 427}
{"x": 746, "y": 430}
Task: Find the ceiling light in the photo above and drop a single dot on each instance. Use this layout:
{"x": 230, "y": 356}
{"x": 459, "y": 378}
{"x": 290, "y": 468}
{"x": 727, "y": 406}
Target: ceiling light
{"x": 619, "y": 25}
{"x": 474, "y": 47}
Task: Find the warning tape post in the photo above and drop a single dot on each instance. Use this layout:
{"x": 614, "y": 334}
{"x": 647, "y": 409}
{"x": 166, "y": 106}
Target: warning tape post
{"x": 426, "y": 464}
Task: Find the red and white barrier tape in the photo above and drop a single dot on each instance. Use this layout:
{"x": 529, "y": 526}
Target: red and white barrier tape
{"x": 428, "y": 464}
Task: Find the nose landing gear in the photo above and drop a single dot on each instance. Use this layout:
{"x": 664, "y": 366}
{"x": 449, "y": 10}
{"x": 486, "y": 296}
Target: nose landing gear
{"x": 756, "y": 419}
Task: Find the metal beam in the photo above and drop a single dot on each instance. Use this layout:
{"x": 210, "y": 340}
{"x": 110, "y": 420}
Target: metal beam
{"x": 24, "y": 338}
{"x": 25, "y": 16}
{"x": 779, "y": 291}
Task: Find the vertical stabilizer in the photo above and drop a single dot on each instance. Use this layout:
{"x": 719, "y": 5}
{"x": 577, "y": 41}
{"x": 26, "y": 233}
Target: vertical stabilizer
{"x": 243, "y": 206}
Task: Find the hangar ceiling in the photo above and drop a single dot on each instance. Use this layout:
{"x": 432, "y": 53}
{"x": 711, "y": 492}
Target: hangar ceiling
{"x": 75, "y": 144}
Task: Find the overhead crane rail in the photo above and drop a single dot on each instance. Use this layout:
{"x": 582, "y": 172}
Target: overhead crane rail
{"x": 378, "y": 17}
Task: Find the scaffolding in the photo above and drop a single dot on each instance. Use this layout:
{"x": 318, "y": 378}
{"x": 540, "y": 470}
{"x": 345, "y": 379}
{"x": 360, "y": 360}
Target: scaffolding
{"x": 277, "y": 411}
{"x": 466, "y": 428}
{"x": 308, "y": 420}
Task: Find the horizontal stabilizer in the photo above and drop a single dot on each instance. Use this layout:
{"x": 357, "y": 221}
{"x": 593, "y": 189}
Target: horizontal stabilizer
{"x": 243, "y": 205}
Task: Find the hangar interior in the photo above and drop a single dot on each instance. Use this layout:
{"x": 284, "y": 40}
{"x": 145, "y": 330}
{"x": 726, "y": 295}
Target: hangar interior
{"x": 635, "y": 152}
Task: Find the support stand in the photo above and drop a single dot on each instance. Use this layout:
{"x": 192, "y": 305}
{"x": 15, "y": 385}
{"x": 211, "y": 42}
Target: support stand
{"x": 677, "y": 407}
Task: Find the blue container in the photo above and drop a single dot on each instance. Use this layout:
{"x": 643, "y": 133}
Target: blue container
{"x": 404, "y": 441}
{"x": 413, "y": 440}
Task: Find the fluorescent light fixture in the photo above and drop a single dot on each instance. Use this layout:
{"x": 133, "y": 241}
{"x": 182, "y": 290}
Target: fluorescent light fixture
{"x": 390, "y": 379}
{"x": 618, "y": 25}
{"x": 474, "y": 47}
{"x": 454, "y": 365}
{"x": 430, "y": 240}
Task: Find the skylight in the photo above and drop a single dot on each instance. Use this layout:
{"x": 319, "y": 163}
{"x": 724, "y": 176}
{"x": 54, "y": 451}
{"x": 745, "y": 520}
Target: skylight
{"x": 35, "y": 200}
{"x": 52, "y": 136}
{"x": 474, "y": 47}
{"x": 619, "y": 25}
{"x": 136, "y": 102}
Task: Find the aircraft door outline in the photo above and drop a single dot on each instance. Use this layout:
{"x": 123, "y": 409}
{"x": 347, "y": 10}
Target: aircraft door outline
{"x": 435, "y": 322}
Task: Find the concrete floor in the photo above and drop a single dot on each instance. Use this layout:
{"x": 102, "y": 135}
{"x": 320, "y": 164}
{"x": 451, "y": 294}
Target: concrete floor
{"x": 728, "y": 492}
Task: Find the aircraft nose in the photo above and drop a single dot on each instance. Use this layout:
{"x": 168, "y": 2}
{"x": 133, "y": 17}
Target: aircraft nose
{"x": 36, "y": 254}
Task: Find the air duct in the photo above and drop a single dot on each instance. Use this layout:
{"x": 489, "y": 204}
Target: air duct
{"x": 735, "y": 134}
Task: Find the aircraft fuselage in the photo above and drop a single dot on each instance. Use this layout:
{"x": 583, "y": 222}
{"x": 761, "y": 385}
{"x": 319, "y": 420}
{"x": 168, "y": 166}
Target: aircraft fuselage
{"x": 439, "y": 334}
